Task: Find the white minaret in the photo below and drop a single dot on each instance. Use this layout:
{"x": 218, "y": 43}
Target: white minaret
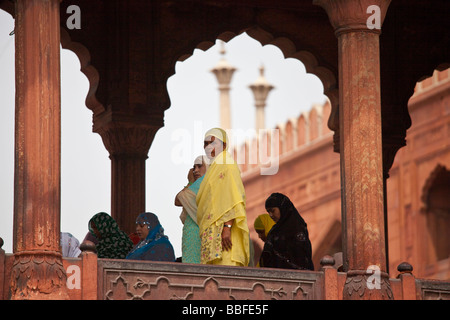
{"x": 261, "y": 89}
{"x": 224, "y": 71}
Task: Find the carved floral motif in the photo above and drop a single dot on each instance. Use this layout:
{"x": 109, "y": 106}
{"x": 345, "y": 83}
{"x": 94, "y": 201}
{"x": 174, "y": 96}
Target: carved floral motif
{"x": 149, "y": 286}
{"x": 38, "y": 276}
{"x": 360, "y": 285}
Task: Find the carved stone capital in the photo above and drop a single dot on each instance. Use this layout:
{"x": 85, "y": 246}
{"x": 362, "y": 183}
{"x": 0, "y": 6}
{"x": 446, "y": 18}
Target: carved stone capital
{"x": 127, "y": 135}
{"x": 38, "y": 275}
{"x": 123, "y": 139}
{"x": 128, "y": 141}
{"x": 352, "y": 15}
{"x": 370, "y": 284}
{"x": 128, "y": 138}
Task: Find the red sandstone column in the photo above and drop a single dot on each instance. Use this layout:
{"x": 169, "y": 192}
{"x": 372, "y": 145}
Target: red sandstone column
{"x": 37, "y": 271}
{"x": 128, "y": 144}
{"x": 361, "y": 146}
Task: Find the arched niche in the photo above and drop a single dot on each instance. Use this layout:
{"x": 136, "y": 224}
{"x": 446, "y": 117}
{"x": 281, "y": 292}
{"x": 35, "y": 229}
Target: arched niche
{"x": 436, "y": 207}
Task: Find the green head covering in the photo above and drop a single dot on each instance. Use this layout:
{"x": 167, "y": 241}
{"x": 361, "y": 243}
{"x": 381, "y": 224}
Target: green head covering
{"x": 113, "y": 243}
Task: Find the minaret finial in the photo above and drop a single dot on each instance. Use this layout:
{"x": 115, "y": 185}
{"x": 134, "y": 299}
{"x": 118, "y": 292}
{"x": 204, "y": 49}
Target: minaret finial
{"x": 224, "y": 72}
{"x": 260, "y": 89}
{"x": 222, "y": 48}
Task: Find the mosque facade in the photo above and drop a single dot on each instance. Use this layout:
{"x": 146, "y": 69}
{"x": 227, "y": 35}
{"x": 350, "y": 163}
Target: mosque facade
{"x": 418, "y": 206}
{"x": 128, "y": 50}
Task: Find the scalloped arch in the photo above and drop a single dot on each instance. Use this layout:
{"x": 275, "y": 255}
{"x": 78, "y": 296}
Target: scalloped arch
{"x": 289, "y": 50}
{"x": 429, "y": 73}
{"x": 87, "y": 68}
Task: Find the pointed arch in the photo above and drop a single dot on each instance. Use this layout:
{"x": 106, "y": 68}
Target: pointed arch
{"x": 440, "y": 176}
{"x": 437, "y": 211}
{"x": 281, "y": 128}
{"x": 302, "y": 129}
{"x": 290, "y": 135}
{"x": 314, "y": 123}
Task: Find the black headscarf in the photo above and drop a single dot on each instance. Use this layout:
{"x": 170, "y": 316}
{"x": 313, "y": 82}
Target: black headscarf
{"x": 287, "y": 245}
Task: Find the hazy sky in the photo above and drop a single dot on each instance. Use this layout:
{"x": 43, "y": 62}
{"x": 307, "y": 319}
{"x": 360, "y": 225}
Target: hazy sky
{"x": 85, "y": 166}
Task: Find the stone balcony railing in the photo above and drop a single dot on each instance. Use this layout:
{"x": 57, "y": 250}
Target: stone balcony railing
{"x": 90, "y": 278}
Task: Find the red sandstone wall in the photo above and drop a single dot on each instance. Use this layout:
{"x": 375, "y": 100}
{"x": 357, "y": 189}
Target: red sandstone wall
{"x": 309, "y": 174}
{"x": 428, "y": 145}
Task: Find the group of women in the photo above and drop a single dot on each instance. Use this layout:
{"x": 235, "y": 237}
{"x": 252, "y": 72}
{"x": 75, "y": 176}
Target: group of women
{"x": 147, "y": 243}
{"x": 215, "y": 229}
{"x": 216, "y": 202}
{"x": 214, "y": 207}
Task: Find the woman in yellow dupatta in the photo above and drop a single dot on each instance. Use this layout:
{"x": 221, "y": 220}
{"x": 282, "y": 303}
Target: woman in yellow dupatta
{"x": 221, "y": 212}
{"x": 263, "y": 224}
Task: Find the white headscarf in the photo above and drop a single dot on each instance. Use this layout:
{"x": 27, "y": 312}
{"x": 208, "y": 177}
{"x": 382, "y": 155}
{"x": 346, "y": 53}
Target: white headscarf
{"x": 70, "y": 246}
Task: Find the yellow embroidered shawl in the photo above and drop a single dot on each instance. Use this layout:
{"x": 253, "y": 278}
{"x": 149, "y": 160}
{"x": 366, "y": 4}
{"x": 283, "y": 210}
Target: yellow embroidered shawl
{"x": 222, "y": 198}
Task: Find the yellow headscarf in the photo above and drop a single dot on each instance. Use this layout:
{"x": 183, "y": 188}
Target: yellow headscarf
{"x": 219, "y": 134}
{"x": 221, "y": 198}
{"x": 264, "y": 223}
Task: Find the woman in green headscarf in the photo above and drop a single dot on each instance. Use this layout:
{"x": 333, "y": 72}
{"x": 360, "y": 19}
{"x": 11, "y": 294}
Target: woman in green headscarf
{"x": 113, "y": 243}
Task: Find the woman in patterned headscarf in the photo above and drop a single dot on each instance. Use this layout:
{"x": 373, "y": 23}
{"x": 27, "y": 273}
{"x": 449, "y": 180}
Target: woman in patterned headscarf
{"x": 113, "y": 243}
{"x": 154, "y": 245}
{"x": 287, "y": 245}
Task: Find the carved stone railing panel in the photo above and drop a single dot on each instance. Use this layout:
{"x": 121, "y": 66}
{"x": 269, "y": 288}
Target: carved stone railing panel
{"x": 433, "y": 289}
{"x": 119, "y": 280}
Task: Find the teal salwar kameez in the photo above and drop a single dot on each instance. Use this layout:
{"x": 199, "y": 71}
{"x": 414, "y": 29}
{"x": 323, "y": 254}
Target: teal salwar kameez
{"x": 190, "y": 241}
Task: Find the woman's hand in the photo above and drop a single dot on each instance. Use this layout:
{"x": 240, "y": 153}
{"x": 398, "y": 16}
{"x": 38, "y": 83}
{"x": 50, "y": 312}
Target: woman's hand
{"x": 190, "y": 176}
{"x": 226, "y": 238}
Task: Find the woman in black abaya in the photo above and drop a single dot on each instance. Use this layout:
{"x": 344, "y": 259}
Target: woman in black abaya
{"x": 287, "y": 245}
